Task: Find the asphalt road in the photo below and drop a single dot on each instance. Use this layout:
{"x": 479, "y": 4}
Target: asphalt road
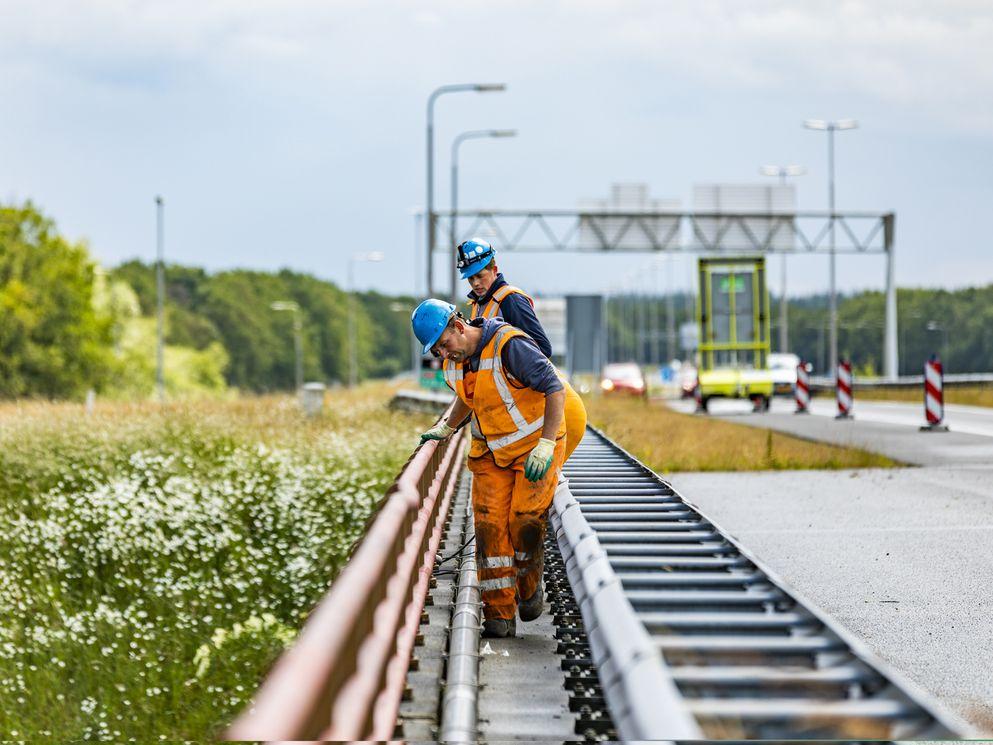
{"x": 886, "y": 427}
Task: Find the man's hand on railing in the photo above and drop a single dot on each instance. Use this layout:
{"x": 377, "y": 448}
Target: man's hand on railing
{"x": 438, "y": 432}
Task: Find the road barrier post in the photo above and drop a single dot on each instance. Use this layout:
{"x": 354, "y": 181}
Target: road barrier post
{"x": 934, "y": 396}
{"x": 802, "y": 389}
{"x": 844, "y": 390}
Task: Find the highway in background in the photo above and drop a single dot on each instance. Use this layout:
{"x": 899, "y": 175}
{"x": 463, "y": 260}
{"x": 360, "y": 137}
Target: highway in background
{"x": 887, "y": 427}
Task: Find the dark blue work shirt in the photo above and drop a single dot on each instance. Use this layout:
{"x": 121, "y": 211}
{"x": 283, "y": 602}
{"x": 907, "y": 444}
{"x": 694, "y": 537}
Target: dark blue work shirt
{"x": 521, "y": 358}
{"x": 516, "y": 310}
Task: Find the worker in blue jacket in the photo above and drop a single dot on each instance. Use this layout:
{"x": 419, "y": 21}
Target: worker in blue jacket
{"x": 492, "y": 297}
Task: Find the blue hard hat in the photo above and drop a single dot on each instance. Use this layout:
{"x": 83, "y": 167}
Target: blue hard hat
{"x": 474, "y": 255}
{"x": 429, "y": 320}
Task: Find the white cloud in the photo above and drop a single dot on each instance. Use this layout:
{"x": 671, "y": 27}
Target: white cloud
{"x": 934, "y": 60}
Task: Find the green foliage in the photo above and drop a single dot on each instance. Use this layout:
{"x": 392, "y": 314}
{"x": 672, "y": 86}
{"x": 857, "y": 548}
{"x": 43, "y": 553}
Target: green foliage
{"x": 155, "y": 560}
{"x": 234, "y": 308}
{"x": 956, "y": 325}
{"x": 54, "y": 342}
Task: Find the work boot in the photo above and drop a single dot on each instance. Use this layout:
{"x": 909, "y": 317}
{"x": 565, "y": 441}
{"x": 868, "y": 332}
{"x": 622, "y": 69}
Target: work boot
{"x": 534, "y": 606}
{"x": 499, "y": 628}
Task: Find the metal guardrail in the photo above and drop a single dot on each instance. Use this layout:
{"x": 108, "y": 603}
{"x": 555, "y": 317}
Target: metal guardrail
{"x": 344, "y": 677}
{"x": 747, "y": 656}
{"x": 643, "y": 700}
{"x": 822, "y": 383}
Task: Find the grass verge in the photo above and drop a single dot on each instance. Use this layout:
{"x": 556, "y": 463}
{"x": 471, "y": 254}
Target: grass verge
{"x": 155, "y": 560}
{"x": 668, "y": 441}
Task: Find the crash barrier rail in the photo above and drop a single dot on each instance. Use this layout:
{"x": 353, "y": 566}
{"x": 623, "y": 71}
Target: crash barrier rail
{"x": 643, "y": 701}
{"x": 750, "y": 657}
{"x": 414, "y": 399}
{"x": 344, "y": 677}
{"x": 822, "y": 383}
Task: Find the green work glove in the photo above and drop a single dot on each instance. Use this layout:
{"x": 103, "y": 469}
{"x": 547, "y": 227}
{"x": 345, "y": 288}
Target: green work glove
{"x": 539, "y": 460}
{"x": 437, "y": 432}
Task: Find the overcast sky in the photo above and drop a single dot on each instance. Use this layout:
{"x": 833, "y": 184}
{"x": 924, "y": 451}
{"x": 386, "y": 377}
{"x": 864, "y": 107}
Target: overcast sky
{"x": 290, "y": 133}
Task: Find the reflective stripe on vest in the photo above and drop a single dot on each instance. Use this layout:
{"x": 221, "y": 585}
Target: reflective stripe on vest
{"x": 492, "y": 309}
{"x": 504, "y": 415}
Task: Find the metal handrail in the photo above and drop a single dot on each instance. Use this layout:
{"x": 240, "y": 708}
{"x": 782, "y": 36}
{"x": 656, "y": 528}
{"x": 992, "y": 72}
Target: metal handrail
{"x": 343, "y": 678}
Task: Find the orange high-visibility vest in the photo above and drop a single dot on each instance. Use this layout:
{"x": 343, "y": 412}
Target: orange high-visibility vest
{"x": 492, "y": 309}
{"x": 507, "y": 416}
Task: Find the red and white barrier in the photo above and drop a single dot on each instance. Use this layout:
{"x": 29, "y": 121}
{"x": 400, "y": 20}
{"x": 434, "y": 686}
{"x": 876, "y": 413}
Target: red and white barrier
{"x": 844, "y": 390}
{"x": 802, "y": 389}
{"x": 698, "y": 397}
{"x": 934, "y": 395}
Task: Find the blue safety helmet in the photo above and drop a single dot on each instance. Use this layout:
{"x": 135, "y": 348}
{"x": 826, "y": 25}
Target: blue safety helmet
{"x": 429, "y": 320}
{"x": 474, "y": 255}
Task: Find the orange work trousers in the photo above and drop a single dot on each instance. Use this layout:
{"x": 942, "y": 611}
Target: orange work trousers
{"x": 509, "y": 515}
{"x": 575, "y": 420}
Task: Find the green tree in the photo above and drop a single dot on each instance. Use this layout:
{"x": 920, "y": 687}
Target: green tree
{"x": 53, "y": 341}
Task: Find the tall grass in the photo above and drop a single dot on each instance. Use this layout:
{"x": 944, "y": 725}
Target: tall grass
{"x": 668, "y": 441}
{"x": 154, "y": 561}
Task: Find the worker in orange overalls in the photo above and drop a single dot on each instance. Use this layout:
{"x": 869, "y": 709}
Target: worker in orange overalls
{"x": 516, "y": 401}
{"x": 492, "y": 297}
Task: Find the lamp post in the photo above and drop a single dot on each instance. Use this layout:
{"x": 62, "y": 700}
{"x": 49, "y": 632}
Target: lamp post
{"x": 453, "y": 232}
{"x": 782, "y": 172}
{"x": 372, "y": 256}
{"x": 935, "y": 326}
{"x": 831, "y": 127}
{"x": 160, "y": 297}
{"x": 457, "y": 88}
{"x": 294, "y": 308}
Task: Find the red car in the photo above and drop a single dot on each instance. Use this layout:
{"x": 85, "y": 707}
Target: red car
{"x": 623, "y": 377}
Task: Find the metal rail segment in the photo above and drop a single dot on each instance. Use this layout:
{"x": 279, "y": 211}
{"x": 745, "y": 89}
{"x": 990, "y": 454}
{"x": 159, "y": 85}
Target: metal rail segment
{"x": 343, "y": 679}
{"x": 728, "y": 641}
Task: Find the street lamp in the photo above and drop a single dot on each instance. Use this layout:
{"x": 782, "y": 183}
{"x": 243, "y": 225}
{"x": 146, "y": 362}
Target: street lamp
{"x": 457, "y": 88}
{"x": 935, "y": 326}
{"x": 831, "y": 127}
{"x": 294, "y": 308}
{"x": 371, "y": 256}
{"x": 452, "y": 235}
{"x": 782, "y": 172}
{"x": 160, "y": 297}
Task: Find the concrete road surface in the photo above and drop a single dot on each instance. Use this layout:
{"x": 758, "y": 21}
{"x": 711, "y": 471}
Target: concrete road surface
{"x": 901, "y": 557}
{"x": 885, "y": 427}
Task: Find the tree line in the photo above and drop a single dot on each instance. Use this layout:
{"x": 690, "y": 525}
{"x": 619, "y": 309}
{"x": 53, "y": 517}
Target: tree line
{"x": 957, "y": 325}
{"x": 67, "y": 325}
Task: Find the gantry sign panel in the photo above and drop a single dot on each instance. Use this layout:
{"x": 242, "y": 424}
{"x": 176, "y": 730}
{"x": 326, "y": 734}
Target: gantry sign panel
{"x": 690, "y": 232}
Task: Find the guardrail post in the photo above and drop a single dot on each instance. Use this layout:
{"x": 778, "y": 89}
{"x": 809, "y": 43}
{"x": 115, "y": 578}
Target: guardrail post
{"x": 802, "y": 389}
{"x": 844, "y": 390}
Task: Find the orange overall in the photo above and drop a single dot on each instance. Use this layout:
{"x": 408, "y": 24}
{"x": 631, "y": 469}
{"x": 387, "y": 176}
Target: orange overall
{"x": 507, "y": 421}
{"x": 575, "y": 411}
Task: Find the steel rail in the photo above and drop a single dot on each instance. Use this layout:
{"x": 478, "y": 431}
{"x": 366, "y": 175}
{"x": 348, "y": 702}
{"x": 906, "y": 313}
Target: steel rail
{"x": 343, "y": 678}
{"x": 729, "y": 643}
{"x": 460, "y": 707}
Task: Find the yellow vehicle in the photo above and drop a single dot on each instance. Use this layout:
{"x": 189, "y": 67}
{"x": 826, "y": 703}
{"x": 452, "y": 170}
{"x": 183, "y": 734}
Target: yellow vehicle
{"x": 733, "y": 312}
